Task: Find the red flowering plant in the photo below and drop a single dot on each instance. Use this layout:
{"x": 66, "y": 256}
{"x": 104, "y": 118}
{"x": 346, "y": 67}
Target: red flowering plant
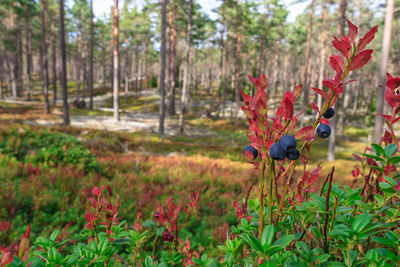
{"x": 268, "y": 135}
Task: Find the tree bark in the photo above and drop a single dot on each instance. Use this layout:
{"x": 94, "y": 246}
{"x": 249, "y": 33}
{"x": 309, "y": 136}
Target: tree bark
{"x": 185, "y": 87}
{"x": 162, "y": 68}
{"x": 172, "y": 57}
{"x": 53, "y": 59}
{"x": 91, "y": 57}
{"x": 115, "y": 62}
{"x": 66, "y": 120}
{"x": 307, "y": 61}
{"x": 45, "y": 66}
{"x": 28, "y": 51}
{"x": 378, "y": 128}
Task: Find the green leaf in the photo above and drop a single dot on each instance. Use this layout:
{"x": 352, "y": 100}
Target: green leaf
{"x": 390, "y": 180}
{"x": 385, "y": 186}
{"x": 284, "y": 241}
{"x": 377, "y": 149}
{"x": 103, "y": 243}
{"x": 54, "y": 235}
{"x": 379, "y": 169}
{"x": 394, "y": 160}
{"x": 303, "y": 250}
{"x": 322, "y": 258}
{"x": 384, "y": 241}
{"x": 374, "y": 157}
{"x": 361, "y": 222}
{"x": 372, "y": 255}
{"x": 390, "y": 150}
{"x": 267, "y": 236}
{"x": 253, "y": 242}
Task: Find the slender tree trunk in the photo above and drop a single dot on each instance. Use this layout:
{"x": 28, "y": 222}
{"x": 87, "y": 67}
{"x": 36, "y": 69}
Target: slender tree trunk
{"x": 45, "y": 58}
{"x": 185, "y": 88}
{"x": 162, "y": 68}
{"x": 115, "y": 62}
{"x": 28, "y": 59}
{"x": 63, "y": 77}
{"x": 137, "y": 70}
{"x": 333, "y": 122}
{"x": 324, "y": 38}
{"x": 91, "y": 57}
{"x": 172, "y": 57}
{"x": 307, "y": 62}
{"x": 382, "y": 72}
{"x": 53, "y": 59}
{"x": 237, "y": 74}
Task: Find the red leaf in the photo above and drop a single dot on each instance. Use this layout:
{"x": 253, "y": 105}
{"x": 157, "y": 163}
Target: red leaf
{"x": 329, "y": 83}
{"x": 368, "y": 37}
{"x": 391, "y": 98}
{"x": 387, "y": 138}
{"x": 261, "y": 83}
{"x": 324, "y": 121}
{"x": 353, "y": 31}
{"x": 337, "y": 63}
{"x": 393, "y": 83}
{"x": 397, "y": 187}
{"x": 252, "y": 79}
{"x": 314, "y": 107}
{"x": 357, "y": 157}
{"x": 305, "y": 133}
{"x": 297, "y": 90}
{"x": 261, "y": 95}
{"x": 246, "y": 98}
{"x": 6, "y": 259}
{"x": 343, "y": 46}
{"x": 320, "y": 92}
{"x": 288, "y": 108}
{"x": 361, "y": 59}
{"x": 387, "y": 117}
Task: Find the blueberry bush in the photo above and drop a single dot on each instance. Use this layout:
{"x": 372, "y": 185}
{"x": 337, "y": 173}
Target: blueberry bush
{"x": 292, "y": 222}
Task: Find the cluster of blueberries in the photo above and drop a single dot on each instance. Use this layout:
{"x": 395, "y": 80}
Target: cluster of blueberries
{"x": 324, "y": 130}
{"x": 286, "y": 147}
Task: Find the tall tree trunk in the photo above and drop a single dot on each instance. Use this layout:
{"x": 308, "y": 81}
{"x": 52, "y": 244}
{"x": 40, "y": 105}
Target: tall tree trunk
{"x": 172, "y": 57}
{"x": 63, "y": 77}
{"x": 137, "y": 70}
{"x": 185, "y": 88}
{"x": 91, "y": 57}
{"x": 45, "y": 58}
{"x": 382, "y": 72}
{"x": 238, "y": 61}
{"x": 324, "y": 38}
{"x": 333, "y": 122}
{"x": 307, "y": 62}
{"x": 53, "y": 59}
{"x": 28, "y": 54}
{"x": 162, "y": 68}
{"x": 115, "y": 62}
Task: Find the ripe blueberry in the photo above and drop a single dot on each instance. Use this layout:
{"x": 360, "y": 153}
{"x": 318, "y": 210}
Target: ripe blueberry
{"x": 252, "y": 150}
{"x": 324, "y": 130}
{"x": 167, "y": 236}
{"x": 287, "y": 142}
{"x": 156, "y": 215}
{"x": 276, "y": 152}
{"x": 329, "y": 113}
{"x": 293, "y": 154}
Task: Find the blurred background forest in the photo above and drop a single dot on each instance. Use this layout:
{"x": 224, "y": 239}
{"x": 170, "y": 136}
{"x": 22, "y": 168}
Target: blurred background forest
{"x": 145, "y": 95}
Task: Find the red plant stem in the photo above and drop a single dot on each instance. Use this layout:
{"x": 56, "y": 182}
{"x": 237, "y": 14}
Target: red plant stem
{"x": 270, "y": 189}
{"x": 261, "y": 200}
{"x": 366, "y": 182}
{"x": 327, "y": 210}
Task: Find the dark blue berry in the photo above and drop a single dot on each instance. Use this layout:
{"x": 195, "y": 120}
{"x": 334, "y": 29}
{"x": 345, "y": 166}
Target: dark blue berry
{"x": 276, "y": 152}
{"x": 329, "y": 113}
{"x": 252, "y": 150}
{"x": 293, "y": 154}
{"x": 288, "y": 142}
{"x": 156, "y": 215}
{"x": 324, "y": 130}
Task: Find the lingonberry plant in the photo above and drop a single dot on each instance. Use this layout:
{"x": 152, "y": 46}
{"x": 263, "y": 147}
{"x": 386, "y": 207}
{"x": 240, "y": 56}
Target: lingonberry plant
{"x": 291, "y": 223}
